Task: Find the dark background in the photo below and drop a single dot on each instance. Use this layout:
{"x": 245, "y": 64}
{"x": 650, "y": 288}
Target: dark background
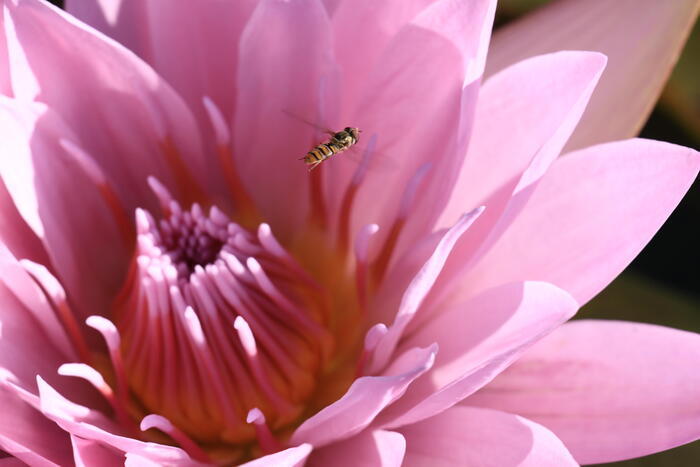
{"x": 661, "y": 284}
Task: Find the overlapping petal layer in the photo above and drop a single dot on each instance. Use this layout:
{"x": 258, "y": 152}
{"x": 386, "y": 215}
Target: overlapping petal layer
{"x": 642, "y": 40}
{"x": 610, "y": 390}
{"x": 192, "y": 110}
{"x": 475, "y": 436}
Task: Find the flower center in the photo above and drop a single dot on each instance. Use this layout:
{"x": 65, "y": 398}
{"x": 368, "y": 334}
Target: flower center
{"x": 222, "y": 332}
{"x": 190, "y": 241}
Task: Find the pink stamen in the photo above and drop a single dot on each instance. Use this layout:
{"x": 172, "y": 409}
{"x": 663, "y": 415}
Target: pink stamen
{"x": 243, "y": 202}
{"x": 196, "y": 334}
{"x": 270, "y": 243}
{"x": 361, "y": 262}
{"x": 269, "y": 333}
{"x": 351, "y": 192}
{"x": 268, "y": 442}
{"x": 229, "y": 360}
{"x": 184, "y": 179}
{"x": 92, "y": 376}
{"x": 218, "y": 122}
{"x": 163, "y": 424}
{"x": 372, "y": 339}
{"x": 382, "y": 262}
{"x": 280, "y": 299}
{"x": 409, "y": 194}
{"x": 113, "y": 340}
{"x": 248, "y": 342}
{"x": 162, "y": 193}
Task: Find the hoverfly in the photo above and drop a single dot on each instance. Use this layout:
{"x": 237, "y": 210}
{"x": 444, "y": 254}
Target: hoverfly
{"x": 339, "y": 141}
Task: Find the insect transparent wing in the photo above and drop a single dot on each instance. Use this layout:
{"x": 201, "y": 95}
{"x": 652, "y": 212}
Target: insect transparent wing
{"x": 291, "y": 114}
{"x": 377, "y": 160}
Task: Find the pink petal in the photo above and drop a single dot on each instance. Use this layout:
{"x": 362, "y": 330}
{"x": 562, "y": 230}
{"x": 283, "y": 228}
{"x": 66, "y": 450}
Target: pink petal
{"x": 284, "y": 66}
{"x": 418, "y": 289}
{"x": 362, "y": 38}
{"x": 437, "y": 59}
{"x": 29, "y": 436}
{"x": 589, "y": 217}
{"x": 477, "y": 340}
{"x": 549, "y": 92}
{"x": 90, "y": 453}
{"x": 194, "y": 46}
{"x": 331, "y": 6}
{"x": 5, "y": 84}
{"x": 135, "y": 460}
{"x": 125, "y": 21}
{"x": 642, "y": 39}
{"x": 483, "y": 437}
{"x": 89, "y": 424}
{"x": 126, "y": 117}
{"x": 388, "y": 297}
{"x": 362, "y": 402}
{"x": 12, "y": 462}
{"x": 610, "y": 390}
{"x": 15, "y": 233}
{"x": 292, "y": 457}
{"x": 63, "y": 204}
{"x": 376, "y": 448}
{"x": 27, "y": 318}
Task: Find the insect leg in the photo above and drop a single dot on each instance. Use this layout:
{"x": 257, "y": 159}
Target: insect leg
{"x": 314, "y": 165}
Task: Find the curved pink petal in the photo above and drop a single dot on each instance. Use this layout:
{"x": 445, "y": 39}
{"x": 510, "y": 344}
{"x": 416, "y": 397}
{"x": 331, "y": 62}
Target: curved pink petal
{"x": 15, "y": 233}
{"x": 549, "y": 92}
{"x": 5, "y": 83}
{"x": 589, "y": 217}
{"x": 642, "y": 40}
{"x": 477, "y": 340}
{"x": 371, "y": 447}
{"x": 610, "y": 390}
{"x": 125, "y": 21}
{"x": 136, "y": 460}
{"x": 194, "y": 46}
{"x": 418, "y": 289}
{"x": 90, "y": 453}
{"x": 331, "y": 6}
{"x": 292, "y": 457}
{"x": 11, "y": 462}
{"x": 29, "y": 436}
{"x": 437, "y": 60}
{"x": 47, "y": 185}
{"x": 284, "y": 66}
{"x": 388, "y": 296}
{"x": 365, "y": 398}
{"x": 27, "y": 317}
{"x": 360, "y": 38}
{"x": 91, "y": 425}
{"x": 127, "y": 118}
{"x": 488, "y": 438}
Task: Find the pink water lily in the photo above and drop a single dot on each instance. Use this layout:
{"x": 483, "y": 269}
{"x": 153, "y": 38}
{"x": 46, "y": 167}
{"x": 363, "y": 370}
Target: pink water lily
{"x": 177, "y": 289}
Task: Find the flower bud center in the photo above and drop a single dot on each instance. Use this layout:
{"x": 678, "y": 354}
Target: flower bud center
{"x": 217, "y": 321}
